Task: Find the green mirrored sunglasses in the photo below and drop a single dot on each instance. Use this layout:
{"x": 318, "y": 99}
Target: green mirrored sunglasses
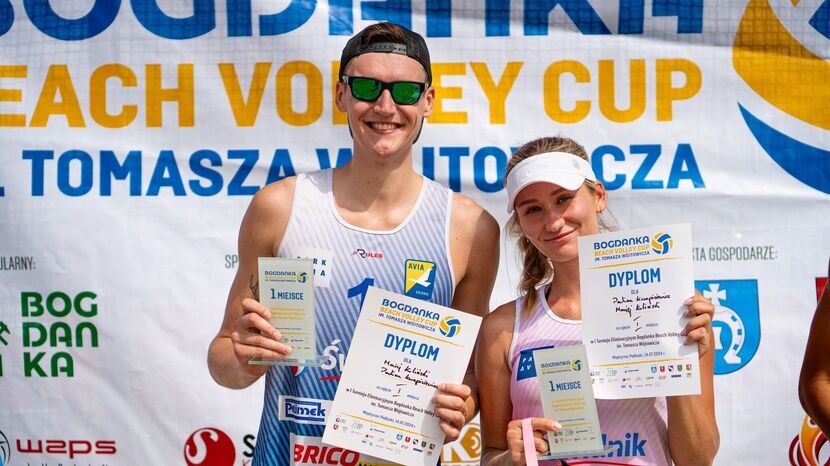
{"x": 369, "y": 89}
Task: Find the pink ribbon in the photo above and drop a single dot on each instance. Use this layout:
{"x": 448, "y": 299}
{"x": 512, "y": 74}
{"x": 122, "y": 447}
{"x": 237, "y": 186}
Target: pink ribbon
{"x": 531, "y": 458}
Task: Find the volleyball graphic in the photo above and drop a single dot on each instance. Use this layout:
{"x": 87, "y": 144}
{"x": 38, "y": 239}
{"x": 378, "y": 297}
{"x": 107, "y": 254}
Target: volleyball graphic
{"x": 662, "y": 243}
{"x": 302, "y": 277}
{"x": 576, "y": 365}
{"x": 450, "y": 326}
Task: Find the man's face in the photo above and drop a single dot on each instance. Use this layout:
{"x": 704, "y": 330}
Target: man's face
{"x": 382, "y": 127}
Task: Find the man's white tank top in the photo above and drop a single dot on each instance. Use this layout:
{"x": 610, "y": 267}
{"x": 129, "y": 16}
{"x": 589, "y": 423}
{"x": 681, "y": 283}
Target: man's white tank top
{"x": 636, "y": 426}
{"x": 412, "y": 259}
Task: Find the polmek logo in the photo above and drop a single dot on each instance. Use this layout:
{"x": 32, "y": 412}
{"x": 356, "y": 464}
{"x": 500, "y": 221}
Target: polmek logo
{"x": 791, "y": 78}
{"x": 736, "y": 322}
{"x": 209, "y": 446}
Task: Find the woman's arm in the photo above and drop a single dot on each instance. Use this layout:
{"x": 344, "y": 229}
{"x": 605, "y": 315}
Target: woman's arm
{"x": 814, "y": 382}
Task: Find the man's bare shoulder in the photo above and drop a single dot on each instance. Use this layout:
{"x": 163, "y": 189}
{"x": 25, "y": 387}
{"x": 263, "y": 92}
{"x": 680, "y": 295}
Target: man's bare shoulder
{"x": 470, "y": 220}
{"x": 268, "y": 212}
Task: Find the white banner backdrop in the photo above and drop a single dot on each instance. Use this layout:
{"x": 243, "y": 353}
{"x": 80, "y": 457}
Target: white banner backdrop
{"x": 133, "y": 135}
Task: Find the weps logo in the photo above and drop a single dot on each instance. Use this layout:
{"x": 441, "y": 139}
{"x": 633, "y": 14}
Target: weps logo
{"x": 450, "y": 326}
{"x": 793, "y": 79}
{"x": 805, "y": 449}
{"x": 662, "y": 243}
{"x": 736, "y": 322}
{"x": 209, "y": 447}
{"x": 5, "y": 450}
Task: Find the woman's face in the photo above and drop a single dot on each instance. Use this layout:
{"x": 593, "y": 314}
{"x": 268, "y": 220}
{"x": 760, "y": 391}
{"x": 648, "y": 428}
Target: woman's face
{"x": 552, "y": 218}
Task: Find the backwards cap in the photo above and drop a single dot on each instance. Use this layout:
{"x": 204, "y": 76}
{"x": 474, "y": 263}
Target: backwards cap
{"x": 415, "y": 47}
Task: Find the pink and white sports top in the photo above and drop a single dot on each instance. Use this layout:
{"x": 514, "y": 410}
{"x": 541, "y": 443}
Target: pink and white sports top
{"x": 637, "y": 426}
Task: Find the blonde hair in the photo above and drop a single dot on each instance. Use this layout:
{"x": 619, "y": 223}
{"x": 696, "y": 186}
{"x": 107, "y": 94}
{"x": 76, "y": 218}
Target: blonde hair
{"x": 536, "y": 267}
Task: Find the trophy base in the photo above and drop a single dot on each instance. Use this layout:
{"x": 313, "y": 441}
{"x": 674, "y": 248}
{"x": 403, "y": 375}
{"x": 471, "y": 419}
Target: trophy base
{"x": 576, "y": 454}
{"x": 315, "y": 362}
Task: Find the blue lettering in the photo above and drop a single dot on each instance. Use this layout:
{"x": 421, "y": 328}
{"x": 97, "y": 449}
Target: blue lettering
{"x": 479, "y": 166}
{"x": 652, "y": 153}
{"x": 249, "y": 158}
{"x": 341, "y": 22}
{"x": 216, "y": 182}
{"x": 454, "y": 155}
{"x": 496, "y": 18}
{"x": 820, "y": 21}
{"x": 630, "y": 277}
{"x": 580, "y": 12}
{"x": 394, "y": 11}
{"x": 684, "y": 157}
{"x": 689, "y": 13}
{"x": 287, "y": 20}
{"x": 165, "y": 164}
{"x": 344, "y": 154}
{"x": 407, "y": 345}
{"x": 439, "y": 17}
{"x": 37, "y": 157}
{"x": 281, "y": 166}
{"x": 110, "y": 168}
{"x": 239, "y": 18}
{"x": 98, "y": 19}
{"x": 202, "y": 21}
{"x": 631, "y": 16}
{"x": 428, "y": 162}
{"x": 599, "y": 169}
{"x": 6, "y": 16}
{"x": 64, "y": 171}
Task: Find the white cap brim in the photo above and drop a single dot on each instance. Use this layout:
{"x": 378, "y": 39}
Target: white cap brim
{"x": 560, "y": 168}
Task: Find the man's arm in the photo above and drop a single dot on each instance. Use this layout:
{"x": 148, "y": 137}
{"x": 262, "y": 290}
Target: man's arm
{"x": 474, "y": 250}
{"x": 245, "y": 331}
{"x": 814, "y": 383}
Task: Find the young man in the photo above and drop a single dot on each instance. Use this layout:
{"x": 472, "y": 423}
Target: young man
{"x": 362, "y": 222}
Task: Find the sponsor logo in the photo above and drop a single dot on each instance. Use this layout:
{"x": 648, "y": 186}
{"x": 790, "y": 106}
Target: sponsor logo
{"x": 321, "y": 264}
{"x": 419, "y": 278}
{"x": 821, "y": 284}
{"x": 736, "y": 322}
{"x": 527, "y": 368}
{"x": 464, "y": 451}
{"x": 303, "y": 410}
{"x": 5, "y": 450}
{"x": 209, "y": 446}
{"x": 450, "y": 326}
{"x": 805, "y": 449}
{"x": 793, "y": 80}
{"x": 308, "y": 451}
{"x": 56, "y": 326}
{"x": 302, "y": 277}
{"x": 364, "y": 254}
{"x": 71, "y": 448}
{"x": 662, "y": 243}
{"x": 576, "y": 365}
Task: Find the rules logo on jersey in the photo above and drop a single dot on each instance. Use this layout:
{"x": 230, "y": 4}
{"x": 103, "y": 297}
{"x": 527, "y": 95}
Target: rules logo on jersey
{"x": 419, "y": 281}
{"x": 736, "y": 322}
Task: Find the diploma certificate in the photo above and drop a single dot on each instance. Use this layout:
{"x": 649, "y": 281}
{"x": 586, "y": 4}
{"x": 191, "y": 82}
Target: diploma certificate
{"x": 634, "y": 284}
{"x": 401, "y": 350}
{"x": 286, "y": 289}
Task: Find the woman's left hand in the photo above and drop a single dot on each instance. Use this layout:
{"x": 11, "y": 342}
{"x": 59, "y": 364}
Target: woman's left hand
{"x": 699, "y": 328}
{"x": 451, "y": 408}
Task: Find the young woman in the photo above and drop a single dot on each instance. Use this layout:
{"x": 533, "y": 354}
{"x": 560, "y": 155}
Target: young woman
{"x": 554, "y": 198}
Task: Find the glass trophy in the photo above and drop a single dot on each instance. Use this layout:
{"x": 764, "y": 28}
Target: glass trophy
{"x": 568, "y": 396}
{"x": 286, "y": 288}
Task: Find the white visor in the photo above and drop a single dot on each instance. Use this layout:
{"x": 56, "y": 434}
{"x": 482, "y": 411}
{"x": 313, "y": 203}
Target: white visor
{"x": 560, "y": 168}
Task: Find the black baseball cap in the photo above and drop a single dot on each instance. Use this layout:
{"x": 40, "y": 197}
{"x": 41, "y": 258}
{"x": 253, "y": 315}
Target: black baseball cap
{"x": 414, "y": 46}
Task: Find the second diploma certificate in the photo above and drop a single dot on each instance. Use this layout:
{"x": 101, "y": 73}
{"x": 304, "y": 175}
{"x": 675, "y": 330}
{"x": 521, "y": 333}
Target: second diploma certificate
{"x": 401, "y": 350}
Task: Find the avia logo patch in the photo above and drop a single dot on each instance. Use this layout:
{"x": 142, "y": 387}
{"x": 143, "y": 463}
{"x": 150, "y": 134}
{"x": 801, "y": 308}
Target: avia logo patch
{"x": 736, "y": 323}
{"x": 791, "y": 78}
{"x": 419, "y": 279}
{"x": 303, "y": 410}
{"x": 209, "y": 446}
